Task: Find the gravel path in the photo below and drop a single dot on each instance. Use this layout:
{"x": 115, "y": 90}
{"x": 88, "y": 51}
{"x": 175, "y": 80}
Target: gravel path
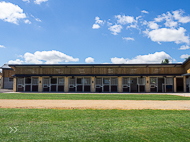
{"x": 96, "y": 104}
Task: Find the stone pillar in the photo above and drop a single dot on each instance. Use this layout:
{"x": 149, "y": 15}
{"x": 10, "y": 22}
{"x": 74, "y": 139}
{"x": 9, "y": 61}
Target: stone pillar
{"x": 66, "y": 85}
{"x": 120, "y": 88}
{"x": 147, "y": 85}
{"x": 14, "y": 84}
{"x": 2, "y": 83}
{"x": 92, "y": 84}
{"x": 184, "y": 83}
{"x": 40, "y": 84}
{"x": 175, "y": 86}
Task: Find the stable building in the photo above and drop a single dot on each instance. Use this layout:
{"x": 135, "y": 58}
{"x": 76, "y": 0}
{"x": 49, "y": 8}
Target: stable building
{"x": 6, "y": 77}
{"x": 102, "y": 78}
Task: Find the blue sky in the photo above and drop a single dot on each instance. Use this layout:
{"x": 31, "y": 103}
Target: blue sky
{"x": 94, "y": 31}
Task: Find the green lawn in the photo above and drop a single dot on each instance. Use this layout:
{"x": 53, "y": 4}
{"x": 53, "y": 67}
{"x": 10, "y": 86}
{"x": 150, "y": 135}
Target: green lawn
{"x": 94, "y": 125}
{"x": 92, "y": 96}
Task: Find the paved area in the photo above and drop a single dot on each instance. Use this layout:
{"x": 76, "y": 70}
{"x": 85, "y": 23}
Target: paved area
{"x": 6, "y": 90}
{"x": 95, "y": 104}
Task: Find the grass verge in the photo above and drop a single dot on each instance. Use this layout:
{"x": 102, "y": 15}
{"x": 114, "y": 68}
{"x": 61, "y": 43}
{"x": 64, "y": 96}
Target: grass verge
{"x": 40, "y": 96}
{"x": 94, "y": 125}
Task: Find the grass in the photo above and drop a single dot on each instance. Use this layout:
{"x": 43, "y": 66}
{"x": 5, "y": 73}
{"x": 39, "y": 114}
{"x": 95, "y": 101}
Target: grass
{"x": 39, "y": 96}
{"x": 94, "y": 125}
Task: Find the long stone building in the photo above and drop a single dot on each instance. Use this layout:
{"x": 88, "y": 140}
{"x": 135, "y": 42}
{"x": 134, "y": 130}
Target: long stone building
{"x": 126, "y": 78}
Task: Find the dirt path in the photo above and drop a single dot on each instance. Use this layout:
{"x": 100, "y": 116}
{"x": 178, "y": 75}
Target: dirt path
{"x": 95, "y": 104}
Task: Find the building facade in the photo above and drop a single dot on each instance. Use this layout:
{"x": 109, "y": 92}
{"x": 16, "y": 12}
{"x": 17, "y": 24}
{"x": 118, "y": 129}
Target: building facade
{"x": 7, "y": 77}
{"x": 106, "y": 78}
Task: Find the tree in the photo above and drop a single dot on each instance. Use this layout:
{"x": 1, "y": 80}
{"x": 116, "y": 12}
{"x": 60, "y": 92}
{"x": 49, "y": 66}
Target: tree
{"x": 166, "y": 61}
{"x": 187, "y": 58}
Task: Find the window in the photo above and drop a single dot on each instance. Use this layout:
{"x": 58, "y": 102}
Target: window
{"x": 169, "y": 81}
{"x": 53, "y": 80}
{"x": 27, "y": 80}
{"x": 79, "y": 80}
{"x": 152, "y": 80}
{"x": 10, "y": 79}
{"x": 106, "y": 81}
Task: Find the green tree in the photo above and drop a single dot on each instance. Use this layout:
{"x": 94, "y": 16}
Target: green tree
{"x": 166, "y": 61}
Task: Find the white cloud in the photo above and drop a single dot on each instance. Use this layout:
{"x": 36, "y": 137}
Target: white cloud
{"x": 109, "y": 24}
{"x": 184, "y": 56}
{"x": 184, "y": 47}
{"x": 39, "y": 1}
{"x": 178, "y": 15}
{"x": 49, "y": 57}
{"x": 156, "y": 57}
{"x": 2, "y": 46}
{"x": 169, "y": 18}
{"x": 26, "y": 1}
{"x": 98, "y": 22}
{"x": 95, "y": 26}
{"x": 153, "y": 25}
{"x": 89, "y": 60}
{"x": 170, "y": 24}
{"x": 132, "y": 26}
{"x": 128, "y": 38}
{"x": 144, "y": 11}
{"x": 124, "y": 19}
{"x": 37, "y": 19}
{"x": 11, "y": 13}
{"x": 115, "y": 29}
{"x": 168, "y": 35}
{"x": 27, "y": 21}
{"x": 17, "y": 61}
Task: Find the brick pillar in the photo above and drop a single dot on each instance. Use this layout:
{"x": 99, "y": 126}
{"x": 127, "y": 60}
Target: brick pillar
{"x": 120, "y": 88}
{"x": 175, "y": 86}
{"x": 184, "y": 83}
{"x": 66, "y": 85}
{"x": 147, "y": 84}
{"x": 14, "y": 84}
{"x": 92, "y": 84}
{"x": 40, "y": 84}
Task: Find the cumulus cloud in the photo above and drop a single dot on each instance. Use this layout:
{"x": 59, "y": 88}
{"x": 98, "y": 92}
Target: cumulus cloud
{"x": 184, "y": 47}
{"x": 39, "y": 1}
{"x": 156, "y": 57}
{"x": 178, "y": 15}
{"x": 95, "y": 26}
{"x": 124, "y": 19}
{"x": 168, "y": 35}
{"x": 89, "y": 60}
{"x": 11, "y": 13}
{"x": 2, "y": 46}
{"x": 184, "y": 56}
{"x": 50, "y": 57}
{"x": 115, "y": 29}
{"x": 28, "y": 1}
{"x": 27, "y": 21}
{"x": 128, "y": 38}
{"x": 47, "y": 57}
{"x": 98, "y": 22}
{"x": 17, "y": 61}
{"x": 153, "y": 25}
{"x": 144, "y": 11}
